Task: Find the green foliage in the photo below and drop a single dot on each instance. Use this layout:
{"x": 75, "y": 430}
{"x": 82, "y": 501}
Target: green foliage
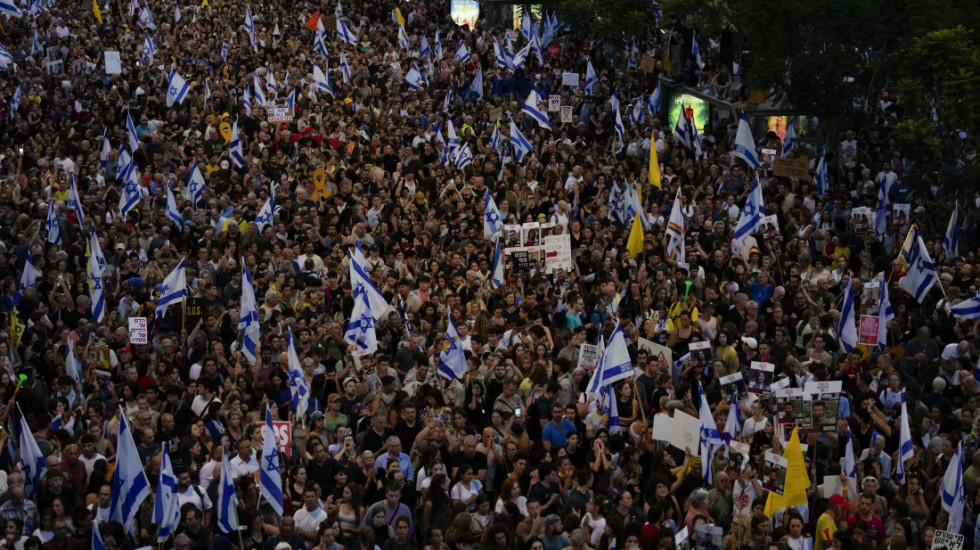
{"x": 612, "y": 22}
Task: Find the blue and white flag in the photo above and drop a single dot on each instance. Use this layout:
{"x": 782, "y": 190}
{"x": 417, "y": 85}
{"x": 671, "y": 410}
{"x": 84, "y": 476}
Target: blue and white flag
{"x": 527, "y": 26}
{"x": 291, "y": 100}
{"x": 614, "y": 365}
{"x": 177, "y": 89}
{"x": 227, "y": 497}
{"x": 72, "y": 367}
{"x": 752, "y": 213}
{"x": 235, "y": 149}
{"x": 131, "y": 193}
{"x": 224, "y": 51}
{"x": 745, "y": 143}
{"x": 344, "y": 67}
{"x": 492, "y": 221}
{"x": 195, "y": 185}
{"x": 881, "y": 211}
{"x": 534, "y": 107}
{"x": 298, "y": 389}
{"x": 821, "y": 178}
{"x": 425, "y": 50}
{"x": 850, "y": 465}
{"x": 497, "y": 277}
{"x": 733, "y": 425}
{"x": 637, "y": 112}
{"x": 52, "y": 224}
{"x": 207, "y": 93}
{"x": 321, "y": 80}
{"x": 521, "y": 145}
{"x": 453, "y": 139}
{"x": 462, "y": 52}
{"x": 905, "y": 449}
{"x": 250, "y": 29}
{"x": 476, "y": 86}
{"x": 5, "y": 58}
{"x": 258, "y": 92}
{"x": 503, "y": 60}
{"x": 344, "y": 34}
{"x": 953, "y": 494}
{"x": 104, "y": 152}
{"x": 361, "y": 328}
{"x": 171, "y": 208}
{"x": 921, "y": 272}
{"x": 496, "y": 143}
{"x": 403, "y": 38}
{"x": 709, "y": 437}
{"x": 535, "y": 45}
{"x": 177, "y": 16}
{"x": 270, "y": 84}
{"x": 616, "y": 203}
{"x": 885, "y": 313}
{"x": 967, "y": 309}
{"x": 847, "y": 329}
{"x": 15, "y": 100}
{"x": 266, "y": 213}
{"x": 36, "y": 46}
{"x": 320, "y": 39}
{"x": 361, "y": 282}
{"x": 464, "y": 157}
{"x": 590, "y": 78}
{"x": 97, "y": 543}
{"x": 33, "y": 464}
{"x": 129, "y": 484}
{"x": 270, "y": 475}
{"x": 405, "y": 321}
{"x": 452, "y": 361}
{"x": 131, "y": 133}
{"x": 172, "y": 290}
{"x": 166, "y": 507}
{"x": 696, "y": 51}
{"x": 609, "y": 411}
{"x": 682, "y": 129}
{"x": 437, "y": 47}
{"x": 28, "y": 278}
{"x": 653, "y": 102}
{"x": 247, "y": 100}
{"x": 95, "y": 268}
{"x": 696, "y": 137}
{"x": 414, "y": 78}
{"x": 519, "y": 58}
{"x": 951, "y": 241}
{"x": 146, "y": 19}
{"x": 248, "y": 321}
{"x": 789, "y": 138}
{"x": 75, "y": 201}
{"x": 620, "y": 132}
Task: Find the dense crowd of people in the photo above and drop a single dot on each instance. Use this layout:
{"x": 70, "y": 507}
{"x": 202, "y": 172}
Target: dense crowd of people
{"x": 391, "y": 454}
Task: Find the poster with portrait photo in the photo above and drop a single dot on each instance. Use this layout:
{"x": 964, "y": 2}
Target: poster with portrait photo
{"x": 774, "y": 473}
{"x": 532, "y": 235}
{"x": 862, "y": 220}
{"x": 736, "y": 449}
{"x": 824, "y": 403}
{"x": 792, "y": 407}
{"x": 733, "y": 385}
{"x": 901, "y": 214}
{"x": 760, "y": 377}
{"x": 546, "y": 230}
{"x": 682, "y": 540}
{"x": 701, "y": 355}
{"x": 709, "y": 536}
{"x": 512, "y": 236}
{"x": 769, "y": 228}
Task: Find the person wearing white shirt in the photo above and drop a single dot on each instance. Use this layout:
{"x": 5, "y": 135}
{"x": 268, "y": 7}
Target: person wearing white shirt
{"x": 244, "y": 463}
{"x": 192, "y": 493}
{"x": 754, "y": 423}
{"x": 309, "y": 517}
{"x": 573, "y": 178}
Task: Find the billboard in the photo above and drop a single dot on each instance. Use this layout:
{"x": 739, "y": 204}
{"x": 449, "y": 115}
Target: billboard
{"x": 696, "y": 108}
{"x": 465, "y": 12}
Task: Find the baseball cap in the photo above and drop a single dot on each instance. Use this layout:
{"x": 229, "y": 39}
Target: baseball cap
{"x": 838, "y": 500}
{"x": 751, "y": 342}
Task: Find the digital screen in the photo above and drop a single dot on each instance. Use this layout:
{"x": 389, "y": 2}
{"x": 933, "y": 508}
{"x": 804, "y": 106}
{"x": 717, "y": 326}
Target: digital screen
{"x": 697, "y": 109}
{"x": 465, "y": 12}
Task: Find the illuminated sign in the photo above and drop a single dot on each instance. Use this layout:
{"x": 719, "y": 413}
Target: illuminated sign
{"x": 696, "y": 108}
{"x": 465, "y": 12}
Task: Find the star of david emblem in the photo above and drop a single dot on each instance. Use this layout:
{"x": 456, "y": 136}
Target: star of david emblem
{"x": 367, "y": 322}
{"x": 749, "y": 209}
{"x": 173, "y": 90}
{"x": 492, "y": 217}
{"x": 271, "y": 462}
{"x": 96, "y": 283}
{"x": 359, "y": 289}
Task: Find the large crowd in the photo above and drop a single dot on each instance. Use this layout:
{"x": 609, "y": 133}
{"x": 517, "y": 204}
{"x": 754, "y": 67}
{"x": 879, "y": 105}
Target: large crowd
{"x": 388, "y": 452}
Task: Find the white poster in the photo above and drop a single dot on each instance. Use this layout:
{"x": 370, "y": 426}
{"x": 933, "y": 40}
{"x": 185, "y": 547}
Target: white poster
{"x": 138, "y": 333}
{"x": 554, "y": 103}
{"x": 566, "y": 114}
{"x": 569, "y": 79}
{"x": 588, "y": 357}
{"x": 113, "y": 64}
{"x": 558, "y": 252}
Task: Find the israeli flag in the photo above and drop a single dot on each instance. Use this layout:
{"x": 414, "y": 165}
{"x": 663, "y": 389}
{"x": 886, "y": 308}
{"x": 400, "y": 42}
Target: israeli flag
{"x": 104, "y": 152}
{"x": 533, "y": 108}
{"x": 921, "y": 272}
{"x": 615, "y": 364}
{"x": 146, "y": 19}
{"x": 847, "y": 329}
{"x": 149, "y": 49}
{"x": 52, "y": 225}
{"x": 462, "y": 52}
{"x": 257, "y": 91}
{"x": 33, "y": 464}
{"x": 344, "y": 34}
{"x": 276, "y": 33}
{"x": 414, "y": 78}
{"x": 227, "y": 497}
{"x": 492, "y": 221}
{"x": 131, "y": 190}
{"x": 437, "y": 47}
{"x": 967, "y": 309}
{"x": 173, "y": 289}
{"x": 637, "y": 112}
{"x": 95, "y": 268}
{"x": 745, "y": 143}
{"x": 270, "y": 476}
{"x": 177, "y": 89}
{"x": 134, "y": 138}
{"x": 881, "y": 211}
{"x": 476, "y": 87}
{"x": 789, "y": 138}
{"x": 521, "y": 145}
{"x": 954, "y": 497}
{"x": 72, "y": 366}
{"x": 616, "y": 204}
{"x": 171, "y": 208}
{"x": 5, "y": 58}
{"x": 129, "y": 484}
{"x": 502, "y": 60}
{"x": 207, "y": 93}
{"x": 247, "y": 100}
{"x": 235, "y": 149}
{"x": 682, "y": 129}
{"x": 166, "y": 507}
{"x": 497, "y": 278}
{"x": 321, "y": 80}
{"x": 820, "y": 177}
{"x": 266, "y": 213}
{"x": 28, "y": 278}
{"x": 361, "y": 328}
{"x": 425, "y": 50}
{"x": 224, "y": 51}
{"x": 453, "y": 139}
{"x": 97, "y": 543}
{"x": 696, "y": 135}
{"x": 452, "y": 361}
{"x": 250, "y": 28}
{"x": 248, "y": 321}
{"x": 495, "y": 142}
{"x": 270, "y": 83}
{"x": 344, "y": 67}
{"x": 443, "y": 150}
{"x": 733, "y": 426}
{"x": 75, "y": 201}
{"x": 527, "y": 26}
{"x": 298, "y": 389}
{"x": 696, "y": 51}
{"x": 752, "y": 212}
{"x": 885, "y": 313}
{"x": 536, "y": 47}
{"x": 403, "y": 38}
{"x": 590, "y": 78}
{"x": 709, "y": 437}
{"x": 609, "y": 411}
{"x": 195, "y": 185}
{"x": 177, "y": 17}
{"x": 291, "y": 99}
{"x": 850, "y": 465}
{"x": 15, "y": 100}
{"x": 464, "y": 157}
{"x": 520, "y": 57}
{"x": 905, "y": 449}
{"x": 36, "y": 46}
{"x": 951, "y": 241}
{"x": 361, "y": 282}
{"x": 620, "y": 132}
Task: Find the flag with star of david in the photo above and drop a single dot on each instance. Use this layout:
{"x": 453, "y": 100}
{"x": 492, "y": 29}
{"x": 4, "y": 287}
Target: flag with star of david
{"x": 270, "y": 476}
{"x": 360, "y": 330}
{"x": 492, "y": 223}
{"x": 752, "y": 212}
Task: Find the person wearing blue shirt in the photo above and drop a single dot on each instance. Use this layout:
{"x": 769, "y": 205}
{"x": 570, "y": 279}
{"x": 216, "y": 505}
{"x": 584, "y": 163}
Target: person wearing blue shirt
{"x": 554, "y": 433}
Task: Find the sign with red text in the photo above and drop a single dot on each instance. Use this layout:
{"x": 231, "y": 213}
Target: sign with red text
{"x": 868, "y": 330}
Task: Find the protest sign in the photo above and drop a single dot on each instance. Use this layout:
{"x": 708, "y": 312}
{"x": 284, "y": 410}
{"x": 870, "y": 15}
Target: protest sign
{"x": 868, "y": 330}
{"x": 588, "y": 357}
{"x": 138, "y": 333}
{"x": 113, "y": 64}
{"x": 558, "y": 252}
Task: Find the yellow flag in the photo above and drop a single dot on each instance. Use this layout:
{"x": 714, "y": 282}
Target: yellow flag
{"x": 401, "y": 18}
{"x": 654, "y": 170}
{"x": 205, "y": 4}
{"x": 797, "y": 480}
{"x": 635, "y": 242}
{"x": 96, "y": 12}
{"x": 17, "y": 328}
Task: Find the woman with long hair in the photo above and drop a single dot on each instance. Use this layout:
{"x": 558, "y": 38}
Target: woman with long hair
{"x": 594, "y": 520}
{"x": 438, "y": 507}
{"x": 190, "y": 457}
{"x": 350, "y": 510}
{"x": 379, "y": 526}
{"x": 510, "y": 491}
{"x": 295, "y": 484}
{"x": 467, "y": 487}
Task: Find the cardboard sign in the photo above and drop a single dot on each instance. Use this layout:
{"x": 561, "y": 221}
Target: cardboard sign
{"x": 554, "y": 103}
{"x": 113, "y": 63}
{"x": 662, "y": 356}
{"x": 760, "y": 377}
{"x": 733, "y": 385}
{"x": 558, "y": 252}
{"x": 569, "y": 79}
{"x": 791, "y": 168}
{"x": 944, "y": 540}
{"x": 566, "y": 114}
{"x": 868, "y": 330}
{"x": 648, "y": 64}
{"x": 194, "y": 310}
{"x": 138, "y": 333}
{"x": 682, "y": 430}
{"x": 588, "y": 357}
{"x": 280, "y": 114}
{"x": 284, "y": 434}
{"x": 774, "y": 472}
{"x": 496, "y": 113}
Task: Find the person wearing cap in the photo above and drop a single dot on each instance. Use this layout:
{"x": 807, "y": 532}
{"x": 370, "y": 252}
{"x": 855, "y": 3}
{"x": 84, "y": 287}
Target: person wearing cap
{"x": 827, "y": 523}
{"x": 333, "y": 417}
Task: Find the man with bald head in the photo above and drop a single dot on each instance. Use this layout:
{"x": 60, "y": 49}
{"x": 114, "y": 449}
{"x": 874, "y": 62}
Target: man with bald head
{"x": 469, "y": 455}
{"x": 393, "y": 446}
